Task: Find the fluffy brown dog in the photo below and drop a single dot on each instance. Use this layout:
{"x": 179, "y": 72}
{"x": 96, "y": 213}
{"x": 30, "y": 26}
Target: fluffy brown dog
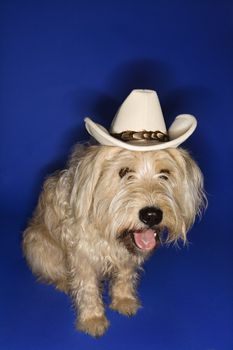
{"x": 103, "y": 216}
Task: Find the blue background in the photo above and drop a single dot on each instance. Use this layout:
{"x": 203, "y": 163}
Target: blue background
{"x": 63, "y": 60}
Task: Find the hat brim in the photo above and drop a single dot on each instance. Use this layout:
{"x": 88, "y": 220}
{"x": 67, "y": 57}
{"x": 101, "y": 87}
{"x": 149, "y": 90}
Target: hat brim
{"x": 182, "y": 127}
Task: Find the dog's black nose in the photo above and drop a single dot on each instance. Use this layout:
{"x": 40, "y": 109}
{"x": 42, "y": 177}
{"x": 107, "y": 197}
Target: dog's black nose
{"x": 150, "y": 216}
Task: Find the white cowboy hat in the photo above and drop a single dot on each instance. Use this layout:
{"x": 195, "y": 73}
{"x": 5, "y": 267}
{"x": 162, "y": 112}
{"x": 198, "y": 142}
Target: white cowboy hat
{"x": 139, "y": 125}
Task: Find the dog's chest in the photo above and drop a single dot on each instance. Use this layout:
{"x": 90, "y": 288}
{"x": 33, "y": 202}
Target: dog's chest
{"x": 105, "y": 256}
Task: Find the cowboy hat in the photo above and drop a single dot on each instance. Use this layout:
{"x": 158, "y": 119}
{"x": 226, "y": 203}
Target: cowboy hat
{"x": 139, "y": 125}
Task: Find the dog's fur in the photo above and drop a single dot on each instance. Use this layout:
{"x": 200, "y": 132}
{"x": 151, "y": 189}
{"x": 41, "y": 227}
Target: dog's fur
{"x": 81, "y": 231}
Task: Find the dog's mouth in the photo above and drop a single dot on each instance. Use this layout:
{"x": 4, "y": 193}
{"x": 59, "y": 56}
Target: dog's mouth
{"x": 143, "y": 240}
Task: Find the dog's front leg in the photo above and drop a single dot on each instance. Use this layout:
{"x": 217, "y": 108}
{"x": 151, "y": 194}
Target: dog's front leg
{"x": 85, "y": 291}
{"x": 123, "y": 291}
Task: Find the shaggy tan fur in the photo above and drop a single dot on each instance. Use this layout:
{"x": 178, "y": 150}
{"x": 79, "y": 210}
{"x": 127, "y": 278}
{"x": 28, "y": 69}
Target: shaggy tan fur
{"x": 80, "y": 231}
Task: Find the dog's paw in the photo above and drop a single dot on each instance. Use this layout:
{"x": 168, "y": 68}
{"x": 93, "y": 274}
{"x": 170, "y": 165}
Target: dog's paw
{"x": 95, "y": 326}
{"x": 125, "y": 306}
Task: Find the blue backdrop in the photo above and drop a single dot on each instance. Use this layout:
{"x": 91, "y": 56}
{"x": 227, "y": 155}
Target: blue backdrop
{"x": 63, "y": 60}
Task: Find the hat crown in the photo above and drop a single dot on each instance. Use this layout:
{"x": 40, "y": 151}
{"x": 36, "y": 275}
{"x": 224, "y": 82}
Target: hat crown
{"x": 141, "y": 110}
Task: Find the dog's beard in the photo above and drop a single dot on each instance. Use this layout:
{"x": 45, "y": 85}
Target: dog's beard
{"x": 123, "y": 223}
{"x": 139, "y": 238}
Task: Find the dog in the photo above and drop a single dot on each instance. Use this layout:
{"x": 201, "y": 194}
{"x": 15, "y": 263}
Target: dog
{"x": 103, "y": 216}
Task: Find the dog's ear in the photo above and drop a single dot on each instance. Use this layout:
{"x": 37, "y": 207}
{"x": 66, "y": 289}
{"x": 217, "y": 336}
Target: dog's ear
{"x": 194, "y": 199}
{"x": 87, "y": 163}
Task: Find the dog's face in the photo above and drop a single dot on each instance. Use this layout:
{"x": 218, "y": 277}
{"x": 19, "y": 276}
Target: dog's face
{"x": 133, "y": 197}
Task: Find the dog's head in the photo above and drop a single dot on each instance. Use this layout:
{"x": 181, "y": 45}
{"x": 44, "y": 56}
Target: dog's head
{"x": 134, "y": 197}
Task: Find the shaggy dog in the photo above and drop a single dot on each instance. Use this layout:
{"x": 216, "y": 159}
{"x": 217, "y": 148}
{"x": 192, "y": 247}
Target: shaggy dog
{"x": 103, "y": 216}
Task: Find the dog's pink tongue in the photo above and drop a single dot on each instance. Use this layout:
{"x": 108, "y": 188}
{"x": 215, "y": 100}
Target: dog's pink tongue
{"x": 145, "y": 239}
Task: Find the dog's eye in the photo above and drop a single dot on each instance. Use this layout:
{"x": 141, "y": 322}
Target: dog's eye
{"x": 163, "y": 177}
{"x": 124, "y": 171}
{"x": 164, "y": 174}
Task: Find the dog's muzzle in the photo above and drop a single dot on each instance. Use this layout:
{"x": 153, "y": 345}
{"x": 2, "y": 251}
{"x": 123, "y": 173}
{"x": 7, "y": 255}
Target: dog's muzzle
{"x": 147, "y": 238}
